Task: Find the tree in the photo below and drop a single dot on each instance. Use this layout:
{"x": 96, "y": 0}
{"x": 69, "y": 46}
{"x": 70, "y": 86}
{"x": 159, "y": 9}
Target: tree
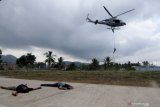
{"x": 50, "y": 58}
{"x": 128, "y": 66}
{"x": 145, "y": 63}
{"x": 60, "y": 63}
{"x": 117, "y": 66}
{"x": 107, "y": 62}
{"x": 1, "y": 59}
{"x": 30, "y": 59}
{"x": 0, "y": 56}
{"x": 72, "y": 66}
{"x": 26, "y": 60}
{"x": 95, "y": 64}
{"x": 21, "y": 62}
{"x": 136, "y": 64}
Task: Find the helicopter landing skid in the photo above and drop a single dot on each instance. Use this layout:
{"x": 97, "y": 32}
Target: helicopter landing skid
{"x": 114, "y": 29}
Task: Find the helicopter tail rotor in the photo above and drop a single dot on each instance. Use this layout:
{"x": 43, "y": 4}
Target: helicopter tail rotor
{"x": 88, "y": 19}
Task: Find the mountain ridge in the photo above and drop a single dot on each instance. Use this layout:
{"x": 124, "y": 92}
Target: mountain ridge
{"x": 10, "y": 59}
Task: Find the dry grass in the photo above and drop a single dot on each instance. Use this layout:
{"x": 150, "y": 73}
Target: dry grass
{"x": 128, "y": 78}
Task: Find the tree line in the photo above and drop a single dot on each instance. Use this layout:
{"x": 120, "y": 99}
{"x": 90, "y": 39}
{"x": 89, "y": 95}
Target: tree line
{"x": 28, "y": 61}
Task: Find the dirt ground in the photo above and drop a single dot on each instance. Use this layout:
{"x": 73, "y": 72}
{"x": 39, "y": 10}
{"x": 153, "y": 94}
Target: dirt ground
{"x": 84, "y": 95}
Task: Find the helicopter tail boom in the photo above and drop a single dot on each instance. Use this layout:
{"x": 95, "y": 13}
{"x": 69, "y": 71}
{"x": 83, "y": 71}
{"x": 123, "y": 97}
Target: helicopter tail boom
{"x": 89, "y": 20}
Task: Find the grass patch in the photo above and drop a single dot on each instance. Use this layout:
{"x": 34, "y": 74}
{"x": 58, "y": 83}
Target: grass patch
{"x": 128, "y": 78}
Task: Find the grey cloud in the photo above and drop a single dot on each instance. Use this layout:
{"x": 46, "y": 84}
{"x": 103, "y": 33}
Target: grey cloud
{"x": 61, "y": 25}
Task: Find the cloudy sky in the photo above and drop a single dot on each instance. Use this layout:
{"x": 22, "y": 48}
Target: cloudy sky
{"x": 38, "y": 26}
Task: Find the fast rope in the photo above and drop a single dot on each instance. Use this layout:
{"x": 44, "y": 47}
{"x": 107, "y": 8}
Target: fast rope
{"x": 114, "y": 47}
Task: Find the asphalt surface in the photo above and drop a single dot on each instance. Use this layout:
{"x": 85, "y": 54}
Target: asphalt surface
{"x": 83, "y": 95}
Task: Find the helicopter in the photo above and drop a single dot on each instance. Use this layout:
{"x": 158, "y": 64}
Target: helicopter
{"x": 113, "y": 22}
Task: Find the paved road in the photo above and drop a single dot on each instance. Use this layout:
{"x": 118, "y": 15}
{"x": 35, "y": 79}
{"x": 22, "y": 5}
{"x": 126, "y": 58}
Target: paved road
{"x": 84, "y": 95}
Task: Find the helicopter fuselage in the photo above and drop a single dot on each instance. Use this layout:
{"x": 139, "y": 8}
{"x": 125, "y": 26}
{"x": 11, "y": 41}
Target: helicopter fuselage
{"x": 111, "y": 22}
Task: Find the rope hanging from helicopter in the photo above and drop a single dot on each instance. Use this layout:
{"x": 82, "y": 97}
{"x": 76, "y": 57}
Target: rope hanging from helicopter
{"x": 114, "y": 47}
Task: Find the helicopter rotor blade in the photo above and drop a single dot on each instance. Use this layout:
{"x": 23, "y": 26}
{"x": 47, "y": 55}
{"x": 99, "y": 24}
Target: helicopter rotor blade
{"x": 125, "y": 12}
{"x": 108, "y": 11}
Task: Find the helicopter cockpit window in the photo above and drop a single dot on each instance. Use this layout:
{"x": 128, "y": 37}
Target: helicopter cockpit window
{"x": 117, "y": 21}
